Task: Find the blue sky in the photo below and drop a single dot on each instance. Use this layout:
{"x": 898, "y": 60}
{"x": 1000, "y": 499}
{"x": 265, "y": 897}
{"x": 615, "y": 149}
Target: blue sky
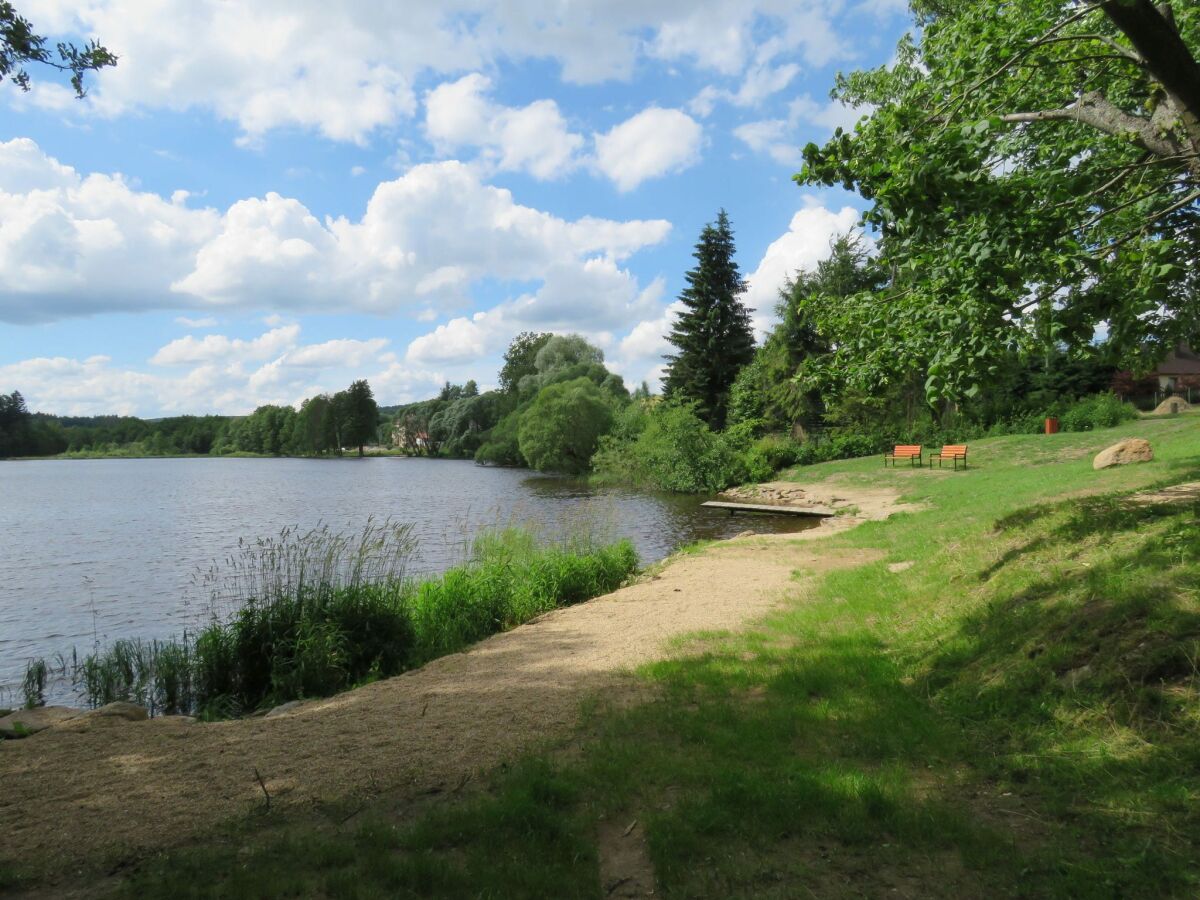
{"x": 263, "y": 201}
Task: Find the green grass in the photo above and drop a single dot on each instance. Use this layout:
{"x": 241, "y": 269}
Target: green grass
{"x": 1017, "y": 714}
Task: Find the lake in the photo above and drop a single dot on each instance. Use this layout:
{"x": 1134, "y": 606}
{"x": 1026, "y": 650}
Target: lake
{"x": 94, "y": 550}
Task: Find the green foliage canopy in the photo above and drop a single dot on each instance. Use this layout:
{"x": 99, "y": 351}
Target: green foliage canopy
{"x": 1033, "y": 171}
{"x": 562, "y": 427}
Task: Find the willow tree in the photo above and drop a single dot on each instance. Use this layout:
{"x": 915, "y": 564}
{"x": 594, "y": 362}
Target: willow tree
{"x": 1033, "y": 174}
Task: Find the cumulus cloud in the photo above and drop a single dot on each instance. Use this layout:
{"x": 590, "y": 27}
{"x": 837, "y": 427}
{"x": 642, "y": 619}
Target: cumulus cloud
{"x": 600, "y": 299}
{"x": 780, "y": 138}
{"x": 214, "y": 347}
{"x": 205, "y": 322}
{"x": 72, "y": 245}
{"x": 76, "y": 245}
{"x": 347, "y": 69}
{"x": 218, "y": 374}
{"x": 533, "y": 138}
{"x": 805, "y": 243}
{"x": 650, "y": 144}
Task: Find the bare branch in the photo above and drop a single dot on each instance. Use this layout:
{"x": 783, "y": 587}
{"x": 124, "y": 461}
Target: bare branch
{"x": 1094, "y": 110}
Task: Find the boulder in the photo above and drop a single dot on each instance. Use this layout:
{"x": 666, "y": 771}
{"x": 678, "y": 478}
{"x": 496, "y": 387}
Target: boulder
{"x": 1130, "y": 450}
{"x": 25, "y": 722}
{"x": 283, "y": 708}
{"x": 120, "y": 709}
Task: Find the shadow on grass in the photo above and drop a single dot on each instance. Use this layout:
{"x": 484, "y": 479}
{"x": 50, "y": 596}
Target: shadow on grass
{"x": 1081, "y": 676}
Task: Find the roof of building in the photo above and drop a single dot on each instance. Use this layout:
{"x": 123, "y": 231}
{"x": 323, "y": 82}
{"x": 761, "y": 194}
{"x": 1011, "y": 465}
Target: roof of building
{"x": 1180, "y": 361}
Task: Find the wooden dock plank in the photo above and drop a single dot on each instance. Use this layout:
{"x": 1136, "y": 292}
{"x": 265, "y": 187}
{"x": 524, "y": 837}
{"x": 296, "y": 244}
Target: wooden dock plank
{"x": 821, "y": 511}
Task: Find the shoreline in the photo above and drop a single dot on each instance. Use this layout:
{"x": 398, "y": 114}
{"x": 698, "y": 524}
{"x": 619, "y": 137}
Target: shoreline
{"x": 461, "y": 713}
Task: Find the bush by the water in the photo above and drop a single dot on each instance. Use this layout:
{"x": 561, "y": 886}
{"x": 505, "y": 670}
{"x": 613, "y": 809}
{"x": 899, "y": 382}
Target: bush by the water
{"x": 317, "y": 613}
{"x": 667, "y": 446}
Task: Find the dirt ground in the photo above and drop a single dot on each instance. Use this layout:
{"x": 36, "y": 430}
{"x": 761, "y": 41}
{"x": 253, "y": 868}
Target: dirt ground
{"x": 94, "y": 790}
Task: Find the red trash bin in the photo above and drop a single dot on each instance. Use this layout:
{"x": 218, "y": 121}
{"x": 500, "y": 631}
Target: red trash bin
{"x": 1051, "y": 425}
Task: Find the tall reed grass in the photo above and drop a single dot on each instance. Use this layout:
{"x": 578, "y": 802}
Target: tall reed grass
{"x": 309, "y": 614}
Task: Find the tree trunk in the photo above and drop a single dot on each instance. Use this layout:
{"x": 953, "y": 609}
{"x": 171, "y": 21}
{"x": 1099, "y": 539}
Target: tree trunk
{"x": 1153, "y": 34}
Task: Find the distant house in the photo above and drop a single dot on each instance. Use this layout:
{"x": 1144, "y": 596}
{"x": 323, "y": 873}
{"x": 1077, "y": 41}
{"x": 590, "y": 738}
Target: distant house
{"x": 1180, "y": 370}
{"x": 412, "y": 440}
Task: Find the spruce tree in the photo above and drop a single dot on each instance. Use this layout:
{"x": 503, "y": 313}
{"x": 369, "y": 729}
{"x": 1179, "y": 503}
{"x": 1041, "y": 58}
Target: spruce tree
{"x": 712, "y": 333}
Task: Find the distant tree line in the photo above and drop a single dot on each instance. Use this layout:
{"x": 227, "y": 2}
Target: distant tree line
{"x": 325, "y": 424}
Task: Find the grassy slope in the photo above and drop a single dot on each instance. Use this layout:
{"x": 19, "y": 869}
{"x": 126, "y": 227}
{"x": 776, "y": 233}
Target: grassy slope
{"x": 1015, "y": 714}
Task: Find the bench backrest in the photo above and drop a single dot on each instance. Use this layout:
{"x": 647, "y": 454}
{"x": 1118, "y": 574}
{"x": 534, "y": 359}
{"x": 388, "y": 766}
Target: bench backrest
{"x": 954, "y": 450}
{"x": 907, "y": 450}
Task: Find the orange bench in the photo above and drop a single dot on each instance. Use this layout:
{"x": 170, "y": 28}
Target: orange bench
{"x": 911, "y": 452}
{"x": 953, "y": 452}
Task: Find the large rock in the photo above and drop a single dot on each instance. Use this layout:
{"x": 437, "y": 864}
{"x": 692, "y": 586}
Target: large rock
{"x": 120, "y": 710}
{"x": 25, "y": 722}
{"x": 284, "y": 708}
{"x": 1130, "y": 450}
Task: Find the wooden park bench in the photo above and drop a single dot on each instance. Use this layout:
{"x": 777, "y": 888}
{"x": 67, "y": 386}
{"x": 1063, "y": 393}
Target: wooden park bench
{"x": 911, "y": 452}
{"x": 953, "y": 452}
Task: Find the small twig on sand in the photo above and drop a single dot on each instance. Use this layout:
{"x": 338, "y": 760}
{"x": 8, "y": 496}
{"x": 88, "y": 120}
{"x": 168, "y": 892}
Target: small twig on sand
{"x": 632, "y": 825}
{"x": 262, "y": 784}
{"x": 347, "y": 818}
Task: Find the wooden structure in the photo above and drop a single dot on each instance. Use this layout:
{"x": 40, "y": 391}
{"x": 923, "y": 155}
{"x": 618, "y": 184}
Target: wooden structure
{"x": 953, "y": 452}
{"x": 774, "y": 509}
{"x": 911, "y": 452}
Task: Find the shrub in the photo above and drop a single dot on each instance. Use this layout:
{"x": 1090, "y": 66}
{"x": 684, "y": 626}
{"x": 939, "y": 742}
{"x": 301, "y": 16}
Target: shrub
{"x": 1099, "y": 411}
{"x": 501, "y": 446}
{"x": 674, "y": 451}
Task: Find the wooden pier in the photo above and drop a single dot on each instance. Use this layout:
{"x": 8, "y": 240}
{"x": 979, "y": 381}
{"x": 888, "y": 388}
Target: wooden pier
{"x": 773, "y": 509}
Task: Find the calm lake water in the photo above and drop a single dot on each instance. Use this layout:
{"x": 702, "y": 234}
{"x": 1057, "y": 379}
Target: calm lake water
{"x": 94, "y": 550}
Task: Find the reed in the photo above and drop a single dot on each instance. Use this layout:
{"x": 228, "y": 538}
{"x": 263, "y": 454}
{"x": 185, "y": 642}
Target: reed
{"x": 309, "y": 614}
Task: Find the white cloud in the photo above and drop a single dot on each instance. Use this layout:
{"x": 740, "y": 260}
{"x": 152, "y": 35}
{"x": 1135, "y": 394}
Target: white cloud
{"x": 214, "y": 347}
{"x": 773, "y": 137}
{"x": 347, "y": 69}
{"x": 780, "y": 138}
{"x": 759, "y": 82}
{"x": 73, "y": 245}
{"x": 205, "y": 322}
{"x": 805, "y": 243}
{"x": 343, "y": 352}
{"x": 640, "y": 353}
{"x": 650, "y": 144}
{"x": 595, "y": 300}
{"x": 533, "y": 138}
{"x": 218, "y": 374}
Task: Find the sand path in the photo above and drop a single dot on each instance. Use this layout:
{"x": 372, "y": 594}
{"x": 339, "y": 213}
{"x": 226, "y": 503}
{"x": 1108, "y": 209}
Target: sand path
{"x": 93, "y": 790}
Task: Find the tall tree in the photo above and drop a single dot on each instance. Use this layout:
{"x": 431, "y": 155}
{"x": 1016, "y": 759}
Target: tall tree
{"x": 361, "y": 417}
{"x": 712, "y": 333}
{"x": 20, "y": 44}
{"x": 1033, "y": 171}
{"x": 520, "y": 359}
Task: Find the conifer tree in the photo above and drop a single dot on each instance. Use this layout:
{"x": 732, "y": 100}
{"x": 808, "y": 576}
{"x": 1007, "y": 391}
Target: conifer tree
{"x": 713, "y": 333}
